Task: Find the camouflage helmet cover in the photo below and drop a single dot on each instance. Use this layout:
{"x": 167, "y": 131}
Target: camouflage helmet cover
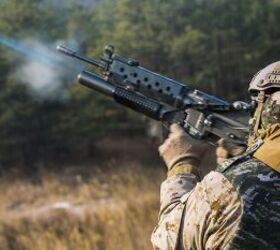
{"x": 267, "y": 78}
{"x": 264, "y": 89}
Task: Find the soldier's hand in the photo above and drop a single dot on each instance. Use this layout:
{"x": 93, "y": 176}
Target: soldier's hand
{"x": 179, "y": 147}
{"x": 227, "y": 150}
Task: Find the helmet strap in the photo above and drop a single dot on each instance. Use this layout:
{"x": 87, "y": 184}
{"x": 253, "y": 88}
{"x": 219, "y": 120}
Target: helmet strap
{"x": 260, "y": 99}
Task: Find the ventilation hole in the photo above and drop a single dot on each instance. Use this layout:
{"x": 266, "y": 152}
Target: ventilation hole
{"x": 168, "y": 88}
{"x": 160, "y": 90}
{"x": 157, "y": 84}
{"x": 146, "y": 79}
{"x": 138, "y": 81}
{"x": 121, "y": 69}
{"x": 125, "y": 76}
{"x": 135, "y": 74}
{"x": 149, "y": 86}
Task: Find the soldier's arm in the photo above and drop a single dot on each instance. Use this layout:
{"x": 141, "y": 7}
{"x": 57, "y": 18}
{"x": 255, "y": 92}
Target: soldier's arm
{"x": 203, "y": 217}
{"x": 182, "y": 160}
{"x": 182, "y": 155}
{"x": 185, "y": 205}
{"x": 166, "y": 233}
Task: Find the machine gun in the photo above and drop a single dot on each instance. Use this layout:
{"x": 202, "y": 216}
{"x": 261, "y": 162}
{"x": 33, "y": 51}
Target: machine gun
{"x": 203, "y": 116}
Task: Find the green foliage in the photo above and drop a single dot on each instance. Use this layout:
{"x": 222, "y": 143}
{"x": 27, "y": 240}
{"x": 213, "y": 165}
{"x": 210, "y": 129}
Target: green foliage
{"x": 213, "y": 45}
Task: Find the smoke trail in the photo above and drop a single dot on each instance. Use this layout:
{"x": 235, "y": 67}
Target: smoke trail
{"x": 44, "y": 70}
{"x": 30, "y": 52}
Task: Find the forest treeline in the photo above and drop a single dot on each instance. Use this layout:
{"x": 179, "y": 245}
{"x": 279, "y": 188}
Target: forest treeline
{"x": 213, "y": 45}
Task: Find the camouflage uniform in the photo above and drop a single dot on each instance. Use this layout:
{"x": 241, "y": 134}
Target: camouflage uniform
{"x": 235, "y": 207}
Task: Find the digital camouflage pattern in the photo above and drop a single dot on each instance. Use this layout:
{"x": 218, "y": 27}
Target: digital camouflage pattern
{"x": 212, "y": 214}
{"x": 259, "y": 188}
{"x": 198, "y": 216}
{"x": 267, "y": 116}
{"x": 235, "y": 207}
{"x": 166, "y": 233}
{"x": 270, "y": 113}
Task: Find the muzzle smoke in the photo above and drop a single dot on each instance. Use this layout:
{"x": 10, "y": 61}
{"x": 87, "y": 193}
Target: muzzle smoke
{"x": 43, "y": 69}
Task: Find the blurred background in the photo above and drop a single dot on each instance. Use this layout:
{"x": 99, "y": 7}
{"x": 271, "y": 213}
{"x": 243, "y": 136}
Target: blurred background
{"x": 78, "y": 171}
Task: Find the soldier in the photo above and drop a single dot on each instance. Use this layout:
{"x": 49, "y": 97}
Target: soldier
{"x": 237, "y": 206}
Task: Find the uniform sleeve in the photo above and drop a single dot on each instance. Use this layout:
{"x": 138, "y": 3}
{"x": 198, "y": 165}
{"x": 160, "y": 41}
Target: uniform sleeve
{"x": 201, "y": 216}
{"x": 166, "y": 233}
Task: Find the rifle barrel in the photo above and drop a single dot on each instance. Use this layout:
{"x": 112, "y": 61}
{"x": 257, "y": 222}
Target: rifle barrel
{"x": 72, "y": 53}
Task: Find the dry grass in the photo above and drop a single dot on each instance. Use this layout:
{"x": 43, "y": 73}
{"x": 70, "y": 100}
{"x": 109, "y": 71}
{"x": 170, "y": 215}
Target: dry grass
{"x": 83, "y": 208}
{"x": 107, "y": 206}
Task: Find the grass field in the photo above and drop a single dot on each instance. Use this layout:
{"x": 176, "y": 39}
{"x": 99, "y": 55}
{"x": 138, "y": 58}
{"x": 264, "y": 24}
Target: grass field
{"x": 89, "y": 207}
{"x": 111, "y": 204}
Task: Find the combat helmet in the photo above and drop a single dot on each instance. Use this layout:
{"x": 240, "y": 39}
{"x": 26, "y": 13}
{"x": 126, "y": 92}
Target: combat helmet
{"x": 265, "y": 91}
{"x": 267, "y": 78}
